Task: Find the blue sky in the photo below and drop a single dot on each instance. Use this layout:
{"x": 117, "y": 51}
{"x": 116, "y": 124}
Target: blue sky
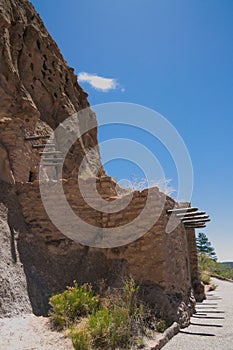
{"x": 175, "y": 57}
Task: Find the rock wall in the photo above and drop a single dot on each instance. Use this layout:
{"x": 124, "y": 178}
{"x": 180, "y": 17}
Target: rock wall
{"x": 5, "y": 169}
{"x": 198, "y": 287}
{"x": 13, "y": 285}
{"x": 158, "y": 261}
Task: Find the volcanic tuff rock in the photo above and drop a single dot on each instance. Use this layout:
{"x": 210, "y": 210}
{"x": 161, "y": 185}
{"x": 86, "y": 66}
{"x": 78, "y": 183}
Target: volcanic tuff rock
{"x": 36, "y": 85}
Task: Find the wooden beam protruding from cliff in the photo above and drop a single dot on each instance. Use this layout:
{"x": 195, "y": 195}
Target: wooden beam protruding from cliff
{"x": 195, "y": 221}
{"x": 195, "y": 218}
{"x": 191, "y": 214}
{"x": 181, "y": 210}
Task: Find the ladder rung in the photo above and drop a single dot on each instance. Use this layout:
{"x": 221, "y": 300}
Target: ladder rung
{"x": 50, "y": 153}
{"x": 44, "y": 145}
{"x": 36, "y": 137}
{"x": 52, "y": 159}
{"x": 51, "y": 164}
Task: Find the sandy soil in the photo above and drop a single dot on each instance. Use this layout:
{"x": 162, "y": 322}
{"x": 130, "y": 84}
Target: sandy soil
{"x": 29, "y": 332}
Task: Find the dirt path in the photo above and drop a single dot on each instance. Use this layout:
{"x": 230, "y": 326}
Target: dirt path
{"x": 212, "y": 326}
{"x": 29, "y": 332}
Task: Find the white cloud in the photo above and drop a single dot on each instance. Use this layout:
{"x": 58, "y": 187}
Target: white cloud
{"x": 97, "y": 82}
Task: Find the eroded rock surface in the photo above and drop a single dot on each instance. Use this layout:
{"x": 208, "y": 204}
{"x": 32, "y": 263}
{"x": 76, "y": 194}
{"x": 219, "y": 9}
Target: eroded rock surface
{"x": 14, "y": 297}
{"x": 37, "y": 85}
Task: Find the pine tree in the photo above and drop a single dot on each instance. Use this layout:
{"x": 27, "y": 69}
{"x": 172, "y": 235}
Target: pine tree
{"x": 204, "y": 246}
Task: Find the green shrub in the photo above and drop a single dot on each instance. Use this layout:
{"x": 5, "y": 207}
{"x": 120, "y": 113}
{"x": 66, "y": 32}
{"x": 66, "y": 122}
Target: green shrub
{"x": 115, "y": 320}
{"x": 81, "y": 339}
{"x": 118, "y": 323}
{"x": 205, "y": 278}
{"x": 73, "y": 303}
{"x": 105, "y": 329}
{"x": 208, "y": 266}
{"x": 162, "y": 325}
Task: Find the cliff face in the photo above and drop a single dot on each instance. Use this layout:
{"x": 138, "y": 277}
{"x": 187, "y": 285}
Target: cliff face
{"x": 35, "y": 79}
{"x": 37, "y": 88}
{"x": 38, "y": 91}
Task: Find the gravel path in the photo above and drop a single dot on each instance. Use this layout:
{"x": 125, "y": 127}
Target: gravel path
{"x": 212, "y": 326}
{"x": 29, "y": 332}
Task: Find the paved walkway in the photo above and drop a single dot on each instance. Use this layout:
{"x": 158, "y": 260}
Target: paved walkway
{"x": 212, "y": 326}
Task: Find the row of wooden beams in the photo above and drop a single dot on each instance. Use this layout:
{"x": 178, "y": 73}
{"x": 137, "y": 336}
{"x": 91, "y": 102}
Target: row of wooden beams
{"x": 190, "y": 217}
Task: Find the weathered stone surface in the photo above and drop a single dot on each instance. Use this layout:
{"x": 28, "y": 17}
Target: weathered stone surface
{"x": 13, "y": 286}
{"x": 5, "y": 170}
{"x": 37, "y": 85}
{"x": 198, "y": 287}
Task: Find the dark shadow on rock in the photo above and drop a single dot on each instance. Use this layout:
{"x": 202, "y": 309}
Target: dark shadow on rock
{"x": 13, "y": 248}
{"x": 49, "y": 268}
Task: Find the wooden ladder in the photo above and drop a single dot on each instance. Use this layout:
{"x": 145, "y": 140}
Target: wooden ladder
{"x": 49, "y": 158}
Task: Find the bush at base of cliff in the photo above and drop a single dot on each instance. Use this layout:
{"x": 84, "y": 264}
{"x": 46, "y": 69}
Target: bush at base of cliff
{"x": 205, "y": 278}
{"x": 106, "y": 329}
{"x": 75, "y": 302}
{"x": 162, "y": 325}
{"x": 119, "y": 323}
{"x": 115, "y": 320}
